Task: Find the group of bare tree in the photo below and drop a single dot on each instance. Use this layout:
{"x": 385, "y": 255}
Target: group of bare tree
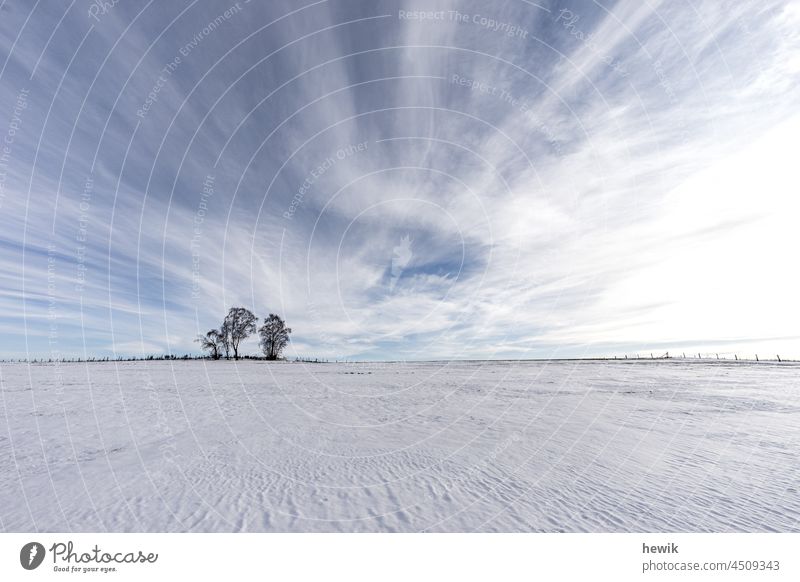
{"x": 239, "y": 324}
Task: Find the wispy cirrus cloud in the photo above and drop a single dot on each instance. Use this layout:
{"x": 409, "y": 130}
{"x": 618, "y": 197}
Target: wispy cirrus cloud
{"x": 608, "y": 178}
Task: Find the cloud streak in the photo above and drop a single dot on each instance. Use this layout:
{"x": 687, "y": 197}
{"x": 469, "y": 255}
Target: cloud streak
{"x": 615, "y": 179}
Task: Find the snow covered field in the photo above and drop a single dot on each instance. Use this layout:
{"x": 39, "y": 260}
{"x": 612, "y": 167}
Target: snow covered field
{"x": 460, "y": 446}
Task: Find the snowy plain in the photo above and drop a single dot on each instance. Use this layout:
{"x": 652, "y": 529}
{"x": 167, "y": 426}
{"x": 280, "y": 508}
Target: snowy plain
{"x": 598, "y": 446}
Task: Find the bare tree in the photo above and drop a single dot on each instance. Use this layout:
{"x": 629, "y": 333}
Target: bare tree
{"x": 225, "y": 338}
{"x": 274, "y": 336}
{"x": 212, "y": 342}
{"x": 239, "y": 324}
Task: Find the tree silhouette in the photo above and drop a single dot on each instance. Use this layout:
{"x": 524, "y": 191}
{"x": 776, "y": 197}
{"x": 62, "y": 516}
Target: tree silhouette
{"x": 212, "y": 342}
{"x": 238, "y": 325}
{"x": 225, "y": 338}
{"x": 274, "y": 336}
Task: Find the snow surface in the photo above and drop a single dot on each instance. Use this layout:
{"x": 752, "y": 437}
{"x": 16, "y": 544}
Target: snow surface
{"x": 458, "y": 446}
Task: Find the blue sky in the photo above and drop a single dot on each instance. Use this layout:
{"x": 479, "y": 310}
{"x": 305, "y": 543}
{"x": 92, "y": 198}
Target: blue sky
{"x": 504, "y": 179}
